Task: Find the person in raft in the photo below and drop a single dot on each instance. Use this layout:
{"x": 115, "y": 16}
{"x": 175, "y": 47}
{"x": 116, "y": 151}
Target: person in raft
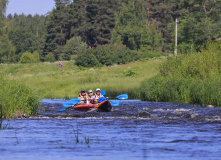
{"x": 83, "y": 96}
{"x": 91, "y": 97}
{"x": 97, "y": 95}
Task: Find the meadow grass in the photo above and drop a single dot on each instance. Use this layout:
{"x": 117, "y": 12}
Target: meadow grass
{"x": 50, "y": 82}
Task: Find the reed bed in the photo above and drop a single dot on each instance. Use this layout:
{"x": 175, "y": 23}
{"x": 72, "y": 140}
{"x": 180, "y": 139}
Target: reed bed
{"x": 192, "y": 78}
{"x": 16, "y": 97}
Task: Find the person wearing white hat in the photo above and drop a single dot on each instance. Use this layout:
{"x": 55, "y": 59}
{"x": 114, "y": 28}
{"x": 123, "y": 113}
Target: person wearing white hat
{"x": 97, "y": 95}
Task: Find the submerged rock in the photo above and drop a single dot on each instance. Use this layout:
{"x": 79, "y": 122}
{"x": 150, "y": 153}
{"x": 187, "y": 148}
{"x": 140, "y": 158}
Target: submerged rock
{"x": 144, "y": 114}
{"x": 19, "y": 114}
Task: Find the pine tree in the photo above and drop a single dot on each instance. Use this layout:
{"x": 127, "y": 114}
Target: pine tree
{"x": 57, "y": 29}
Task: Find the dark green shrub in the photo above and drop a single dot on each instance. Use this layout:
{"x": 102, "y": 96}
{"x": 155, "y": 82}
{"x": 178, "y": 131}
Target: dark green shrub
{"x": 75, "y": 46}
{"x": 107, "y": 55}
{"x": 87, "y": 60}
{"x": 36, "y": 57}
{"x": 50, "y": 57}
{"x": 27, "y": 57}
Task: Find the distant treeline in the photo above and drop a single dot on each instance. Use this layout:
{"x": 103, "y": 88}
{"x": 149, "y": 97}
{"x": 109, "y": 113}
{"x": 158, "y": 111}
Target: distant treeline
{"x": 73, "y": 28}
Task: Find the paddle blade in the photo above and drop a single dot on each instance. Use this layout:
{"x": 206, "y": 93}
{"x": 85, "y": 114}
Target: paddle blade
{"x": 122, "y": 96}
{"x": 67, "y": 104}
{"x": 60, "y": 110}
{"x": 102, "y": 99}
{"x": 103, "y": 92}
{"x": 115, "y": 103}
{"x": 75, "y": 100}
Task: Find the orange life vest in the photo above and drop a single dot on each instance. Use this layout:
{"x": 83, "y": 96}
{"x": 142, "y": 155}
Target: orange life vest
{"x": 97, "y": 97}
{"x": 83, "y": 98}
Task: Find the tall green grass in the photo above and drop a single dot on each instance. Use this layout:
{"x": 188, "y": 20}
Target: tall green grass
{"x": 50, "y": 82}
{"x": 192, "y": 78}
{"x": 16, "y": 96}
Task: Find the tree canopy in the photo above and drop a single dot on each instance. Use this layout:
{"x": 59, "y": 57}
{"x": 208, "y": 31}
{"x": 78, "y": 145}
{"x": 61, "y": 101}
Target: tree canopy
{"x": 143, "y": 26}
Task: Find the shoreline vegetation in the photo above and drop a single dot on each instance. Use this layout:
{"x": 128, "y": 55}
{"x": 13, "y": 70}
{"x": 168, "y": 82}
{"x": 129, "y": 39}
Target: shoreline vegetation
{"x": 45, "y": 80}
{"x": 193, "y": 78}
{"x": 17, "y": 98}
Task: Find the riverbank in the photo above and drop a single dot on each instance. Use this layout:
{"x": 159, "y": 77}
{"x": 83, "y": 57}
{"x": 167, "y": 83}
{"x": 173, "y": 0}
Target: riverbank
{"x": 194, "y": 78}
{"x": 50, "y": 82}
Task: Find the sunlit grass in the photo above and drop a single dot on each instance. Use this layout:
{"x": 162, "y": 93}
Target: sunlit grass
{"x": 193, "y": 78}
{"x": 50, "y": 82}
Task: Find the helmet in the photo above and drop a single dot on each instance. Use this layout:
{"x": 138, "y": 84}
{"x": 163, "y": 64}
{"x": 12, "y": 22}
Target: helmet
{"x": 83, "y": 90}
{"x": 98, "y": 89}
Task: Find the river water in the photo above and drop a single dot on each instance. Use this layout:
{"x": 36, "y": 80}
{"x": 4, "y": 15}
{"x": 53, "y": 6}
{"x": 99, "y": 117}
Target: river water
{"x": 133, "y": 130}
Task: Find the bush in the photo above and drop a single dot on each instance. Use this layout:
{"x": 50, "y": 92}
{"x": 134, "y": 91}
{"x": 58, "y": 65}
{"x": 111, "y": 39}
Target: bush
{"x": 87, "y": 60}
{"x": 75, "y": 46}
{"x": 36, "y": 57}
{"x": 107, "y": 55}
{"x": 50, "y": 57}
{"x": 16, "y": 96}
{"x": 27, "y": 57}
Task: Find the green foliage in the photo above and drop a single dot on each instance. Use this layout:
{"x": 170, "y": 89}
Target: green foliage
{"x": 50, "y": 57}
{"x": 200, "y": 65}
{"x": 27, "y": 57}
{"x": 130, "y": 73}
{"x": 131, "y": 29}
{"x": 27, "y": 33}
{"x": 129, "y": 24}
{"x": 87, "y": 60}
{"x": 74, "y": 46}
{"x": 191, "y": 78}
{"x": 151, "y": 40}
{"x": 107, "y": 55}
{"x": 3, "y": 5}
{"x": 7, "y": 50}
{"x": 16, "y": 96}
{"x": 144, "y": 26}
{"x": 36, "y": 56}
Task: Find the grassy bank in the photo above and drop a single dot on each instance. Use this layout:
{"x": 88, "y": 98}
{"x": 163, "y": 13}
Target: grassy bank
{"x": 192, "y": 78}
{"x": 16, "y": 96}
{"x": 50, "y": 82}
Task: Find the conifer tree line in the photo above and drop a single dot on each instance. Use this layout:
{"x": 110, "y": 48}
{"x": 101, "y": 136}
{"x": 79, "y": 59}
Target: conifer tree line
{"x": 75, "y": 27}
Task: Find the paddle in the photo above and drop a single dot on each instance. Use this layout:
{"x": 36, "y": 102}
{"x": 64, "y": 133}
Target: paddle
{"x": 75, "y": 100}
{"x": 103, "y": 92}
{"x": 122, "y": 96}
{"x": 70, "y": 104}
{"x": 114, "y": 103}
{"x": 62, "y": 110}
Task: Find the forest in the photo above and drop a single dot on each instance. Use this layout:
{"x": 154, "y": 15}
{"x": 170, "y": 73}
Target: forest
{"x": 105, "y": 32}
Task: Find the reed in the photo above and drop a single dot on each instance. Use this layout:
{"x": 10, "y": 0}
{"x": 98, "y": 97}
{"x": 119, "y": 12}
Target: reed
{"x": 1, "y": 115}
{"x": 16, "y": 96}
{"x": 192, "y": 78}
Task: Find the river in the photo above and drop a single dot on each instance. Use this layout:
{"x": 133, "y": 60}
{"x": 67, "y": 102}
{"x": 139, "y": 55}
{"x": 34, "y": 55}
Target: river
{"x": 133, "y": 130}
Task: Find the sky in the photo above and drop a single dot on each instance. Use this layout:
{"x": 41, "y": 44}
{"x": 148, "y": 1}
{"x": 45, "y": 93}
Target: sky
{"x": 32, "y": 7}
